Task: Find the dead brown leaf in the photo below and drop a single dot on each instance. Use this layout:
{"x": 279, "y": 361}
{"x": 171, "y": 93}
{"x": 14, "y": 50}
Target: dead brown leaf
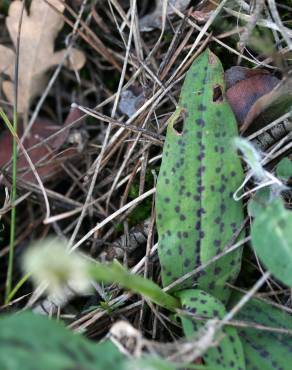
{"x": 245, "y": 86}
{"x": 36, "y": 53}
{"x": 204, "y": 10}
{"x": 47, "y": 157}
{"x": 270, "y": 106}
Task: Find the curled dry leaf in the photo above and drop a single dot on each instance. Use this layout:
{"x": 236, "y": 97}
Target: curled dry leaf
{"x": 36, "y": 54}
{"x": 203, "y": 11}
{"x": 257, "y": 98}
{"x": 271, "y": 105}
{"x": 47, "y": 157}
{"x": 154, "y": 20}
{"x": 131, "y": 100}
{"x": 245, "y": 87}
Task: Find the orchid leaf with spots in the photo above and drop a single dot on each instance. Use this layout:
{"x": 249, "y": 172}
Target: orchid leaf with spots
{"x": 266, "y": 336}
{"x": 228, "y": 354}
{"x": 196, "y": 214}
{"x": 30, "y": 341}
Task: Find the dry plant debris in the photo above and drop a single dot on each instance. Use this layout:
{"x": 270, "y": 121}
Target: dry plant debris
{"x": 39, "y": 30}
{"x": 162, "y": 9}
{"x": 44, "y": 151}
{"x": 104, "y": 195}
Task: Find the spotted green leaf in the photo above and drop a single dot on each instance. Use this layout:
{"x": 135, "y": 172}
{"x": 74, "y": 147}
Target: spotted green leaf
{"x": 196, "y": 213}
{"x": 229, "y": 352}
{"x": 265, "y": 349}
{"x": 33, "y": 342}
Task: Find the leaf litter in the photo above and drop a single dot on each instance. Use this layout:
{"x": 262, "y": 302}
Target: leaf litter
{"x": 39, "y": 30}
{"x": 143, "y": 161}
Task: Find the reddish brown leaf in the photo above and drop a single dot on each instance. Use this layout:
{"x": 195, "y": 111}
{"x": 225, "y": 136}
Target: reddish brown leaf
{"x": 203, "y": 11}
{"x": 270, "y": 106}
{"x": 47, "y": 157}
{"x": 245, "y": 87}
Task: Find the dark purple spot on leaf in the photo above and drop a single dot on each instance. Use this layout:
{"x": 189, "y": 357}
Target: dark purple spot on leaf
{"x": 200, "y": 189}
{"x": 201, "y": 107}
{"x": 217, "y": 243}
{"x": 187, "y": 262}
{"x": 217, "y": 270}
{"x": 200, "y": 122}
{"x": 222, "y": 207}
{"x": 201, "y": 234}
{"x": 222, "y": 189}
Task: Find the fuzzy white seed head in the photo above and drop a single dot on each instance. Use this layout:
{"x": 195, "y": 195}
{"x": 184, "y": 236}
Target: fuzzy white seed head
{"x": 251, "y": 156}
{"x": 50, "y": 264}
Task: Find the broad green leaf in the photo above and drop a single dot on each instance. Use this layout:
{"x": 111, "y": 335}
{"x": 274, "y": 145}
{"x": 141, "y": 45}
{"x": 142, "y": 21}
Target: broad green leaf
{"x": 229, "y": 352}
{"x": 265, "y": 350}
{"x": 33, "y": 342}
{"x": 271, "y": 236}
{"x": 196, "y": 213}
{"x": 284, "y": 169}
{"x": 150, "y": 363}
{"x": 155, "y": 363}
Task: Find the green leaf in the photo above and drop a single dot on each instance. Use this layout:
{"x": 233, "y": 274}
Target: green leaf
{"x": 271, "y": 235}
{"x": 115, "y": 273}
{"x": 229, "y": 352}
{"x": 32, "y": 342}
{"x": 284, "y": 169}
{"x": 200, "y": 171}
{"x": 156, "y": 363}
{"x": 259, "y": 202}
{"x": 151, "y": 363}
{"x": 265, "y": 350}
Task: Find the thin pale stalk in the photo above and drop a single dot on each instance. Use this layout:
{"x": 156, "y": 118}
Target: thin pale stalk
{"x": 13, "y": 213}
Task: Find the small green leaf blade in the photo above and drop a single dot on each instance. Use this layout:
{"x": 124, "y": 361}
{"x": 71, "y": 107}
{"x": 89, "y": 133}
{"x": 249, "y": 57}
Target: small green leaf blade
{"x": 229, "y": 352}
{"x": 284, "y": 169}
{"x": 264, "y": 350}
{"x": 116, "y": 273}
{"x": 271, "y": 236}
{"x": 34, "y": 342}
{"x": 258, "y": 203}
